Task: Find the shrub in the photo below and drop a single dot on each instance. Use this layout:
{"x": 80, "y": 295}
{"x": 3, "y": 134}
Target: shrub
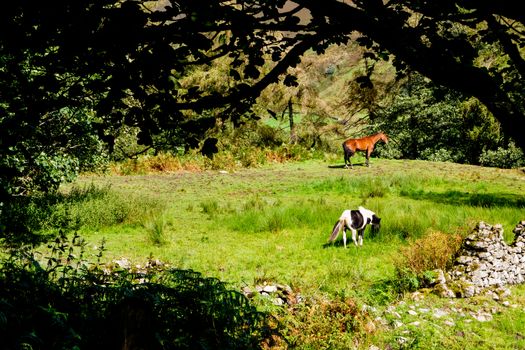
{"x": 438, "y": 155}
{"x": 327, "y": 324}
{"x": 433, "y": 251}
{"x": 510, "y": 157}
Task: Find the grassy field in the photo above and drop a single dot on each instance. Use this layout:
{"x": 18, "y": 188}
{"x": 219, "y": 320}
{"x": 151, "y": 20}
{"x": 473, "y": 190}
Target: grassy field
{"x": 272, "y": 223}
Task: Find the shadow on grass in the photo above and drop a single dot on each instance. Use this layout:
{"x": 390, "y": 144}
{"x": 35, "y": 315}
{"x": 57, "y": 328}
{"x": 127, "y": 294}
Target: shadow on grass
{"x": 484, "y": 200}
{"x": 37, "y": 218}
{"x": 342, "y": 166}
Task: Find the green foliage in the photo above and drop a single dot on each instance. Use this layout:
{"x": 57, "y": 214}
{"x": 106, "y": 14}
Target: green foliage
{"x": 63, "y": 301}
{"x": 433, "y": 123}
{"x": 509, "y": 157}
{"x": 54, "y": 152}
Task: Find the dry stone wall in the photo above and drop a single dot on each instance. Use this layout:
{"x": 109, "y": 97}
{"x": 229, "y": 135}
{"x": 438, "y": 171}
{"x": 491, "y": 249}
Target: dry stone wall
{"x": 485, "y": 263}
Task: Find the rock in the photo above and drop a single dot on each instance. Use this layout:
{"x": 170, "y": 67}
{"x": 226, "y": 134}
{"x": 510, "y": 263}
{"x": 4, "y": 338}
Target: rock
{"x": 270, "y": 289}
{"x": 279, "y": 294}
{"x": 482, "y": 316}
{"x": 438, "y": 313}
{"x": 397, "y": 324}
{"x": 278, "y": 301}
{"x": 248, "y": 292}
{"x": 449, "y": 323}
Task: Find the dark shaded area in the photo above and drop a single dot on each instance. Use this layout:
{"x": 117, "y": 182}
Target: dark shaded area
{"x": 342, "y": 166}
{"x": 61, "y": 306}
{"x": 453, "y": 197}
{"x": 209, "y": 148}
{"x": 23, "y": 218}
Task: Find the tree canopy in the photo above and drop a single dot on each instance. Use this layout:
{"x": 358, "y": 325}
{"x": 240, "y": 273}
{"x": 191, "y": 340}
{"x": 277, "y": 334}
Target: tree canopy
{"x": 74, "y": 72}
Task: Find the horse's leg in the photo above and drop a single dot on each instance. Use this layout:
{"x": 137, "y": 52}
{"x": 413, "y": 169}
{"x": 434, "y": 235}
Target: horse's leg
{"x": 360, "y": 234}
{"x": 350, "y": 160}
{"x": 368, "y": 153}
{"x": 348, "y": 154}
{"x": 344, "y": 236}
{"x": 353, "y": 237}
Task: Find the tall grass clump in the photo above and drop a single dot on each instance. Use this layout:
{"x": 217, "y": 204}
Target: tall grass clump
{"x": 406, "y": 225}
{"x": 155, "y": 229}
{"x": 95, "y": 207}
{"x": 31, "y": 218}
{"x": 418, "y": 260}
{"x": 367, "y": 186}
{"x": 259, "y": 216}
{"x": 115, "y": 209}
{"x": 210, "y": 207}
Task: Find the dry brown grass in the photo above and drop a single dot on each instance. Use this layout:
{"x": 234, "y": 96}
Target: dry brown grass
{"x": 433, "y": 251}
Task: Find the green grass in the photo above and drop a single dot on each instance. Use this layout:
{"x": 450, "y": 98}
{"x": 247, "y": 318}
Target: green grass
{"x": 272, "y": 224}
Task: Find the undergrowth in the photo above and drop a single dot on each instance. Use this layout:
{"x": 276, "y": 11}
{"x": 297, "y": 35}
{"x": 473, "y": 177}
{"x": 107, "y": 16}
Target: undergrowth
{"x": 229, "y": 160}
{"x": 62, "y": 301}
{"x": 88, "y": 207}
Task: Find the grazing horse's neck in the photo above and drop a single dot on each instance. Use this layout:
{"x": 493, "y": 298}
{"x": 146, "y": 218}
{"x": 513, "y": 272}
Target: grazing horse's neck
{"x": 376, "y": 138}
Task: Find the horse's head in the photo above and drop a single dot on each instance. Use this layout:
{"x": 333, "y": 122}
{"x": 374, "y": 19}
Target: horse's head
{"x": 375, "y": 223}
{"x": 383, "y": 137}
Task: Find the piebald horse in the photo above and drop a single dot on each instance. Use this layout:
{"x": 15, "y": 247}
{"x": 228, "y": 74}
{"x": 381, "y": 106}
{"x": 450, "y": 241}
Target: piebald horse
{"x": 366, "y": 144}
{"x": 355, "y": 221}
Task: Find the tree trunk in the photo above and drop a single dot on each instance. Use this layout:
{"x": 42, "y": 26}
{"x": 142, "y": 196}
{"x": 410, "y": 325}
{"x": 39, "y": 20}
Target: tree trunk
{"x": 293, "y": 136}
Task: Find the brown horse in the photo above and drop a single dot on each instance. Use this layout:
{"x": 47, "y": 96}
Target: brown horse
{"x": 366, "y": 144}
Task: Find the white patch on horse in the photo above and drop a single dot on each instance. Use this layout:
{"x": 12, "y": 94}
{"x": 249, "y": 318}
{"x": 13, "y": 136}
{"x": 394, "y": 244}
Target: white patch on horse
{"x": 356, "y": 221}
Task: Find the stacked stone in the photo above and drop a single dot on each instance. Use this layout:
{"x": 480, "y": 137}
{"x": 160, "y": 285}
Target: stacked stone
{"x": 486, "y": 262}
{"x": 279, "y": 294}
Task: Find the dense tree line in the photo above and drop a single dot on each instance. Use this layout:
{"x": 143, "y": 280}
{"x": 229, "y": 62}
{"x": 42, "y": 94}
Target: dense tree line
{"x": 431, "y": 122}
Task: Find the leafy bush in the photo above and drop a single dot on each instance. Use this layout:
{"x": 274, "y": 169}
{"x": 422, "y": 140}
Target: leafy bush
{"x": 64, "y": 302}
{"x": 510, "y": 157}
{"x": 439, "y": 155}
{"x": 43, "y": 151}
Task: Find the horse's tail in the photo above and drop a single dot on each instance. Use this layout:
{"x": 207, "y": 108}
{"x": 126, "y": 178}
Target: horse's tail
{"x": 346, "y": 148}
{"x": 335, "y": 231}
